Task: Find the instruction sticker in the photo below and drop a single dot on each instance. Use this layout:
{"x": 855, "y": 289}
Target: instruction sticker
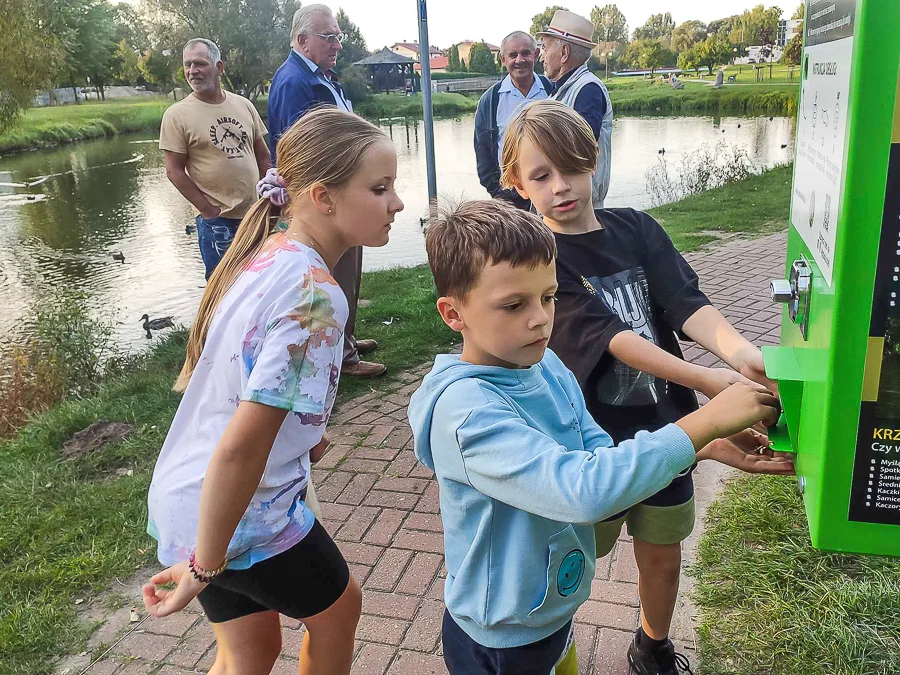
{"x": 822, "y": 127}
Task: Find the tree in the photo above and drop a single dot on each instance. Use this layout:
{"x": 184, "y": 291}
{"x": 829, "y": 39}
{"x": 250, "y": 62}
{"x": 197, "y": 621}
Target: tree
{"x": 481, "y": 59}
{"x": 30, "y": 55}
{"x": 687, "y": 35}
{"x": 649, "y": 54}
{"x": 793, "y": 52}
{"x": 800, "y": 12}
{"x": 688, "y": 60}
{"x": 251, "y": 35}
{"x": 540, "y": 22}
{"x": 453, "y": 63}
{"x": 756, "y": 26}
{"x": 353, "y": 48}
{"x": 658, "y": 27}
{"x": 713, "y": 51}
{"x": 723, "y": 26}
{"x": 159, "y": 67}
{"x": 609, "y": 24}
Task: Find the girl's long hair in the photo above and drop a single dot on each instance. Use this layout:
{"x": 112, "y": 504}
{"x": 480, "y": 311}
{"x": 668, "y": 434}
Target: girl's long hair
{"x": 324, "y": 147}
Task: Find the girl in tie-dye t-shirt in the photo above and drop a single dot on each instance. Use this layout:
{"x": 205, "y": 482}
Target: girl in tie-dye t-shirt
{"x": 227, "y": 503}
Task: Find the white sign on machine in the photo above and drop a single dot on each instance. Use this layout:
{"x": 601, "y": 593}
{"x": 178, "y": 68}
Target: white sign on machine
{"x": 822, "y": 128}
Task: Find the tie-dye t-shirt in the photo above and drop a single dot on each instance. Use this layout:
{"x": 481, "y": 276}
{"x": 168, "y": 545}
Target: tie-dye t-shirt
{"x": 276, "y": 338}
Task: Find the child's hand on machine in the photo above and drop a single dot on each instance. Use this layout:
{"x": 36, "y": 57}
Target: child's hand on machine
{"x": 748, "y": 451}
{"x": 735, "y": 409}
{"x": 716, "y": 380}
{"x": 749, "y": 363}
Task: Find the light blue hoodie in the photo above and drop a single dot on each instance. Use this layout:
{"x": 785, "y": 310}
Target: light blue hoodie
{"x": 524, "y": 473}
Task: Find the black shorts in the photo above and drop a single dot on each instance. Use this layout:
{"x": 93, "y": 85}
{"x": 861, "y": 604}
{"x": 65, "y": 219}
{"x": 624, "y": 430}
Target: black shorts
{"x": 464, "y": 656}
{"x": 301, "y": 582}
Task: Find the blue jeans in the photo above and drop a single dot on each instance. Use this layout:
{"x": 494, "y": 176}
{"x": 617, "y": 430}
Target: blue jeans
{"x": 214, "y": 236}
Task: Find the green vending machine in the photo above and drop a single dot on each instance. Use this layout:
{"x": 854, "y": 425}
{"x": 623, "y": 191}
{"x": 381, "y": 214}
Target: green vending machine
{"x": 838, "y": 366}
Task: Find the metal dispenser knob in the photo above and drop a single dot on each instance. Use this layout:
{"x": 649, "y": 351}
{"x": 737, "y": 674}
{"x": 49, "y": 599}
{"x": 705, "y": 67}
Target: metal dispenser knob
{"x": 781, "y": 290}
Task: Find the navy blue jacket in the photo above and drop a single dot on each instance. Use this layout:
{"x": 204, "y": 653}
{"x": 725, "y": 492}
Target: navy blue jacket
{"x": 294, "y": 90}
{"x": 486, "y": 137}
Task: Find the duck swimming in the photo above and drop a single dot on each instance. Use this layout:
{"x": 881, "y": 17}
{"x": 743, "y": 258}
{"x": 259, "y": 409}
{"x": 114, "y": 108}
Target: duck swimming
{"x": 157, "y": 324}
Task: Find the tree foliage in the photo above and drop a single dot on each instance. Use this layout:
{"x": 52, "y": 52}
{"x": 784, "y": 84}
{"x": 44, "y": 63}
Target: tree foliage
{"x": 793, "y": 52}
{"x": 658, "y": 27}
{"x": 481, "y": 59}
{"x": 688, "y": 60}
{"x": 29, "y": 53}
{"x": 609, "y": 24}
{"x": 649, "y": 54}
{"x": 252, "y": 36}
{"x": 756, "y": 26}
{"x": 453, "y": 62}
{"x": 713, "y": 51}
{"x": 540, "y": 22}
{"x": 687, "y": 34}
{"x": 353, "y": 48}
{"x": 800, "y": 12}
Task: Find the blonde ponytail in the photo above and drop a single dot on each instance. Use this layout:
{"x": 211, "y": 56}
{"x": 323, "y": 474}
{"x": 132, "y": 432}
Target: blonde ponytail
{"x": 324, "y": 147}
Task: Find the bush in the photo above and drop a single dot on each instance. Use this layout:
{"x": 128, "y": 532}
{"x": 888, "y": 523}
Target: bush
{"x": 701, "y": 170}
{"x": 68, "y": 356}
{"x": 355, "y": 83}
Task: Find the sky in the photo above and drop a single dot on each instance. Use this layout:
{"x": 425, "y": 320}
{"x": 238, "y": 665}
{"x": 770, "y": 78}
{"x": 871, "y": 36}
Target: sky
{"x": 384, "y": 22}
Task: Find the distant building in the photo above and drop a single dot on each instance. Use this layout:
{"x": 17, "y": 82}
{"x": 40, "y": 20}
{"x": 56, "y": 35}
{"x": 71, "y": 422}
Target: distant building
{"x": 787, "y": 29}
{"x": 411, "y": 50}
{"x": 438, "y": 64}
{"x": 465, "y": 47}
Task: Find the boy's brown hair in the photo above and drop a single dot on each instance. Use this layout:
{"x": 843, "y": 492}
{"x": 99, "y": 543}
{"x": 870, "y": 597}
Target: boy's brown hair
{"x": 558, "y": 131}
{"x": 476, "y": 234}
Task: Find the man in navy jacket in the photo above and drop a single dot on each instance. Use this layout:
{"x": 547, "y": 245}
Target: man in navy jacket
{"x": 302, "y": 82}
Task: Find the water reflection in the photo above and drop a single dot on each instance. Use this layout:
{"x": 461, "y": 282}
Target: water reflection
{"x": 107, "y": 196}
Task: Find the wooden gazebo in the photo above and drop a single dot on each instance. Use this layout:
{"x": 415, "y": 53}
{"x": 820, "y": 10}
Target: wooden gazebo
{"x": 388, "y": 70}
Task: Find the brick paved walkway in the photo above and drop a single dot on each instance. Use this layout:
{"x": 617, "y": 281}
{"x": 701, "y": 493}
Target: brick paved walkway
{"x": 382, "y": 508}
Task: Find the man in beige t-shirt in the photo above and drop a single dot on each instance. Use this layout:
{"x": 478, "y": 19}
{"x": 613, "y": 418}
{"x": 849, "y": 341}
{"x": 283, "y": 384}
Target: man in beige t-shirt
{"x": 215, "y": 150}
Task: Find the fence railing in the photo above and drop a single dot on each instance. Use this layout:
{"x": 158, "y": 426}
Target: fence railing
{"x": 467, "y": 84}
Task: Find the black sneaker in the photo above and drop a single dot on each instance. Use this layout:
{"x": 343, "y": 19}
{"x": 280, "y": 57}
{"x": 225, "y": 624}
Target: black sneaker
{"x": 663, "y": 661}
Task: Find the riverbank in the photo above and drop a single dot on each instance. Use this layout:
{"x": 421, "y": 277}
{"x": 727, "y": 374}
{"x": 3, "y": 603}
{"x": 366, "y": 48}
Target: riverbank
{"x": 69, "y": 528}
{"x": 634, "y": 95}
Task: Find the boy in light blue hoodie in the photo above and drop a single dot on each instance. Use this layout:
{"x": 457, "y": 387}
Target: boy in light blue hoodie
{"x": 524, "y": 471}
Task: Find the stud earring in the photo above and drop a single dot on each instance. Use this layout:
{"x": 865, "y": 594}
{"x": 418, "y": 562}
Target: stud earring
{"x": 329, "y": 212}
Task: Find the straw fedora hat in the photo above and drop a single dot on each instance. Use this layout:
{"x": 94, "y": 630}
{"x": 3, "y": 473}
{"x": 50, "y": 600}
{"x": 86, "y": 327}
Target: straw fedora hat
{"x": 571, "y": 27}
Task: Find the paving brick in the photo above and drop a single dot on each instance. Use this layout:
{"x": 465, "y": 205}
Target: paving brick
{"x": 336, "y": 512}
{"x": 392, "y": 500}
{"x": 373, "y": 660}
{"x": 415, "y": 663}
{"x": 430, "y": 501}
{"x": 421, "y": 471}
{"x": 364, "y": 554}
{"x": 388, "y": 570}
{"x": 175, "y": 625}
{"x": 291, "y": 641}
{"x": 585, "y": 637}
{"x": 380, "y": 454}
{"x": 413, "y": 485}
{"x": 617, "y": 592}
{"x": 391, "y": 605}
{"x": 174, "y": 670}
{"x": 429, "y": 522}
{"x": 147, "y": 646}
{"x": 188, "y": 653}
{"x": 333, "y": 487}
{"x": 385, "y": 527}
{"x": 360, "y": 572}
{"x": 420, "y": 574}
{"x": 625, "y": 568}
{"x": 433, "y": 542}
{"x": 425, "y": 632}
{"x": 105, "y": 667}
{"x": 406, "y": 461}
{"x": 358, "y": 465}
{"x": 380, "y": 432}
{"x": 609, "y": 656}
{"x": 138, "y": 667}
{"x": 381, "y": 630}
{"x": 357, "y": 523}
{"x": 285, "y": 666}
{"x": 398, "y": 438}
{"x": 606, "y": 614}
{"x": 357, "y": 489}
{"x": 333, "y": 457}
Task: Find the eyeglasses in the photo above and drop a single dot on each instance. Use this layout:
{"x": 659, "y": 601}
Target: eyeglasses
{"x": 332, "y": 38}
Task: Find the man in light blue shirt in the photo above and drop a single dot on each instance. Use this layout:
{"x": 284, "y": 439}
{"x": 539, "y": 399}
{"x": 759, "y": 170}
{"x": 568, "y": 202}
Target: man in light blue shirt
{"x": 518, "y": 52}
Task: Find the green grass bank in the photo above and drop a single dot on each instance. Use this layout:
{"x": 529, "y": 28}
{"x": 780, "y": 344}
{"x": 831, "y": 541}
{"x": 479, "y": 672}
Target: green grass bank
{"x": 772, "y": 604}
{"x": 638, "y": 95}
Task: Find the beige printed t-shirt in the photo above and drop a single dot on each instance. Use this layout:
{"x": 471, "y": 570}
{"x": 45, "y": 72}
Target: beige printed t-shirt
{"x": 218, "y": 141}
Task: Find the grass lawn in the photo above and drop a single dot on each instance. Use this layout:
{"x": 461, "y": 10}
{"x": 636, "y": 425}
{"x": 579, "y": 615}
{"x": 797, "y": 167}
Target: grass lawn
{"x": 756, "y": 206}
{"x": 40, "y": 127}
{"x": 67, "y": 529}
{"x": 635, "y": 95}
{"x": 772, "y": 604}
{"x": 399, "y": 105}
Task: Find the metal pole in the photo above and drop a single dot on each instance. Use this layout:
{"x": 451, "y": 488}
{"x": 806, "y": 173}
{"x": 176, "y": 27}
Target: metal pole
{"x": 425, "y": 63}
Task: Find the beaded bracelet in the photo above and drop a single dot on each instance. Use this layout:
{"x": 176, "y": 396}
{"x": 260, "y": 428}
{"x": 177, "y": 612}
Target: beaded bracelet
{"x": 204, "y": 575}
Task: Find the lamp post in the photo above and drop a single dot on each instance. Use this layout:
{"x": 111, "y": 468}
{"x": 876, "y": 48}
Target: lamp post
{"x": 431, "y": 173}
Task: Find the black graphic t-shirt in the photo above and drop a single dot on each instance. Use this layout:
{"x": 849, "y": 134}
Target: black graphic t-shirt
{"x": 641, "y": 283}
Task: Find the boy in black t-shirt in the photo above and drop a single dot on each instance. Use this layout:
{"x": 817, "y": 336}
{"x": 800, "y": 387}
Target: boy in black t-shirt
{"x": 624, "y": 294}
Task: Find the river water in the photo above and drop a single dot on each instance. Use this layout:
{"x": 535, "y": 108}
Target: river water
{"x": 103, "y": 197}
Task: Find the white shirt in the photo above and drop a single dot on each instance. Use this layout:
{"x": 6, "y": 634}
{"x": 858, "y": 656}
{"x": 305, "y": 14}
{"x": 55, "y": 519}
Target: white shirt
{"x": 509, "y": 103}
{"x": 276, "y": 338}
{"x": 342, "y": 102}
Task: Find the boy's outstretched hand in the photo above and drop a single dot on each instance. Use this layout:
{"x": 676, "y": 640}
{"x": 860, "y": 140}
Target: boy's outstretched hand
{"x": 748, "y": 451}
{"x": 735, "y": 409}
{"x": 749, "y": 363}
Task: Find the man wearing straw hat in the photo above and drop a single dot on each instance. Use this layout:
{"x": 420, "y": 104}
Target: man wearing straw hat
{"x": 565, "y": 52}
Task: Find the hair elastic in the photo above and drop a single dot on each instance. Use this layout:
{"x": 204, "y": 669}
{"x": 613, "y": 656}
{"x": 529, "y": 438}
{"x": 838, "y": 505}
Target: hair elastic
{"x": 272, "y": 187}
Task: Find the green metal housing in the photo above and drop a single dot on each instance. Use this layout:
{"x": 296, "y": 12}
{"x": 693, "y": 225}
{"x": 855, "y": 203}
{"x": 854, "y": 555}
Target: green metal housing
{"x": 821, "y": 377}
